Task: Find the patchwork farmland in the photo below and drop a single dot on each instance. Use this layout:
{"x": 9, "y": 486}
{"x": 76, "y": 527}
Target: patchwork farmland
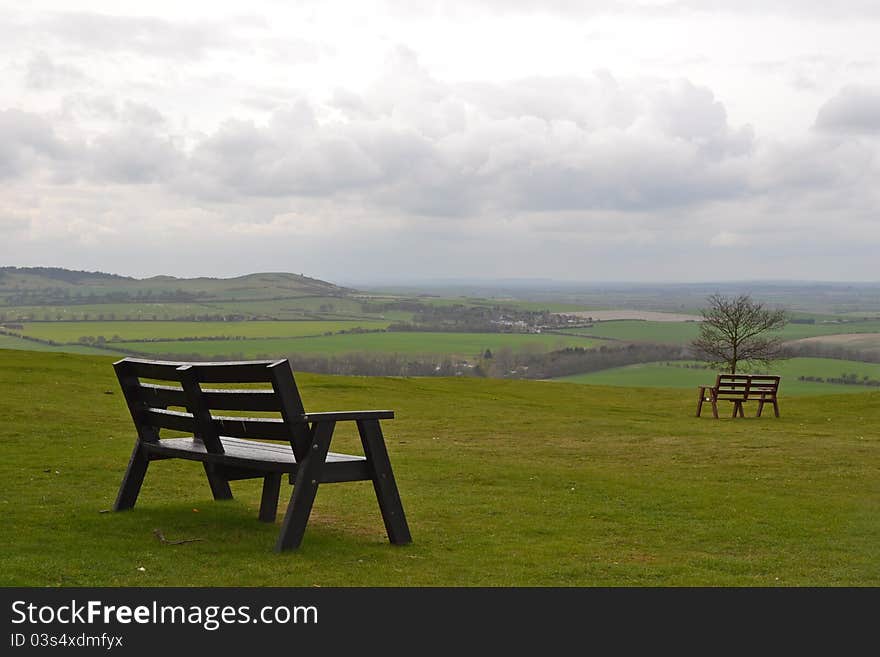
{"x": 285, "y": 315}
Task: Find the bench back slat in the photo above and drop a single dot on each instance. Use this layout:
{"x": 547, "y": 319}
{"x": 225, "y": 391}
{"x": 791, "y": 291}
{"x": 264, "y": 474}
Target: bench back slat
{"x": 181, "y": 388}
{"x": 745, "y": 386}
{"x": 248, "y": 371}
{"x": 215, "y": 399}
{"x": 174, "y": 420}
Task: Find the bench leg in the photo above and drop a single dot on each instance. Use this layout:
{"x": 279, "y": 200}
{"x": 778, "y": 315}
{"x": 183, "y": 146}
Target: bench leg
{"x": 219, "y": 484}
{"x": 760, "y": 408}
{"x": 131, "y": 482}
{"x": 269, "y": 500}
{"x": 383, "y": 482}
{"x": 305, "y": 487}
{"x": 715, "y": 408}
{"x": 775, "y": 408}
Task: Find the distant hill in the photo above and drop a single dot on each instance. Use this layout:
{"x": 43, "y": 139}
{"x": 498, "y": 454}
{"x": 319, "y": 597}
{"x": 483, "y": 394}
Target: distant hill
{"x": 31, "y": 286}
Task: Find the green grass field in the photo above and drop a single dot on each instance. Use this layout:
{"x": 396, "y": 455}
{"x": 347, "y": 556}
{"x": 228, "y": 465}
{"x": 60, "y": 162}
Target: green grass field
{"x": 467, "y": 345}
{"x": 296, "y": 308}
{"x": 505, "y": 483}
{"x": 673, "y": 375}
{"x": 104, "y": 311}
{"x": 680, "y": 332}
{"x": 631, "y": 330}
{"x": 12, "y": 342}
{"x": 72, "y": 331}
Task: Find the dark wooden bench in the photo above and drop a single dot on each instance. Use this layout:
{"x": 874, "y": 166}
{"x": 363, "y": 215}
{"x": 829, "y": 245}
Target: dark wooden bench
{"x": 740, "y": 388}
{"x": 170, "y": 396}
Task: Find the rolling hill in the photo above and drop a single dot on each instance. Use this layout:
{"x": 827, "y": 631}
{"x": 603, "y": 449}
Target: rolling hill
{"x": 39, "y": 286}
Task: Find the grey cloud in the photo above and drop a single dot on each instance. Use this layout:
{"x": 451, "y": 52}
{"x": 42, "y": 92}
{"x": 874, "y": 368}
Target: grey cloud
{"x": 42, "y": 72}
{"x": 412, "y": 145}
{"x": 691, "y": 113}
{"x": 79, "y": 105}
{"x": 852, "y": 110}
{"x": 416, "y": 145}
{"x": 288, "y": 157}
{"x": 142, "y": 114}
{"x": 134, "y": 153}
{"x": 26, "y": 140}
{"x": 134, "y": 156}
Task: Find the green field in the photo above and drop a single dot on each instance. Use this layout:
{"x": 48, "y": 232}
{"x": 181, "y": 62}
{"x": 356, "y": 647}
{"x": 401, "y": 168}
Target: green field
{"x": 103, "y": 311}
{"x": 303, "y": 307}
{"x": 296, "y": 308}
{"x": 466, "y": 345}
{"x": 631, "y": 330}
{"x": 11, "y": 342}
{"x": 674, "y": 375}
{"x": 123, "y": 331}
{"x": 505, "y": 483}
{"x": 680, "y": 332}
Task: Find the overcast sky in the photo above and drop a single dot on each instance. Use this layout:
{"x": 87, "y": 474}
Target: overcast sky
{"x": 634, "y": 140}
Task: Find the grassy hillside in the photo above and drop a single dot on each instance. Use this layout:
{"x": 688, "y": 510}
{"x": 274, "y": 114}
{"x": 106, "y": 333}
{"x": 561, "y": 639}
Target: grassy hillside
{"x": 42, "y": 283}
{"x": 504, "y": 483}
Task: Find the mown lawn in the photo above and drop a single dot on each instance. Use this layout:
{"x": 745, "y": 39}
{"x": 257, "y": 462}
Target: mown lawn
{"x": 504, "y": 483}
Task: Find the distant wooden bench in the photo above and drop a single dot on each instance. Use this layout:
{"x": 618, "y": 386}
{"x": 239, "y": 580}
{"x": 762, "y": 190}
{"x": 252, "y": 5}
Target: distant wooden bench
{"x": 740, "y": 388}
{"x": 234, "y": 447}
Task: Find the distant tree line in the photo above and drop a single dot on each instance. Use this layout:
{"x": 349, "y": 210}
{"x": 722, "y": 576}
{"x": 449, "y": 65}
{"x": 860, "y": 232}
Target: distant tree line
{"x": 845, "y": 379}
{"x": 503, "y": 363}
{"x": 58, "y": 296}
{"x": 60, "y": 274}
{"x": 460, "y": 318}
{"x": 579, "y": 360}
{"x": 827, "y": 350}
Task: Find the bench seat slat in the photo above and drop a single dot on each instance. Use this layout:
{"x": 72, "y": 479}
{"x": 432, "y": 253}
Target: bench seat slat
{"x": 267, "y": 456}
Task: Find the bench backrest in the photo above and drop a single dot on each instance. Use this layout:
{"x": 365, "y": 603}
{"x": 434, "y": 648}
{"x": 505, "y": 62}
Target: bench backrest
{"x": 745, "y": 386}
{"x": 154, "y": 389}
{"x": 763, "y": 384}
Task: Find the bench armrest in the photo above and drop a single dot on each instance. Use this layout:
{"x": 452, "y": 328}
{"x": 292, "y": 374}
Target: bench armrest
{"x": 342, "y": 416}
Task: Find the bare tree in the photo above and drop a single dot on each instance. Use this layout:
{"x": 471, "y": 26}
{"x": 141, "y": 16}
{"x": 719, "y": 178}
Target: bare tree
{"x": 733, "y": 331}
